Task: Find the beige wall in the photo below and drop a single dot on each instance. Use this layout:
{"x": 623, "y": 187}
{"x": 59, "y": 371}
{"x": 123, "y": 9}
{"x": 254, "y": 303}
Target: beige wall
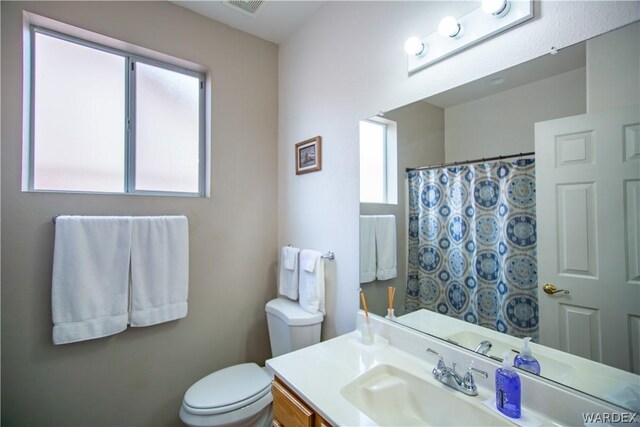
{"x": 138, "y": 377}
{"x": 503, "y": 123}
{"x": 612, "y": 69}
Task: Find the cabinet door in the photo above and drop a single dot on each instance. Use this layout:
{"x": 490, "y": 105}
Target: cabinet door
{"x": 288, "y": 409}
{"x": 321, "y": 422}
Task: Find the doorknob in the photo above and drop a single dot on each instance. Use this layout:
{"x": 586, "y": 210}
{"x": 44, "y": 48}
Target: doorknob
{"x": 551, "y": 289}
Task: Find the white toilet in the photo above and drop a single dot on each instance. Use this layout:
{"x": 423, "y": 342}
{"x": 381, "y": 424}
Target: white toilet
{"x": 240, "y": 395}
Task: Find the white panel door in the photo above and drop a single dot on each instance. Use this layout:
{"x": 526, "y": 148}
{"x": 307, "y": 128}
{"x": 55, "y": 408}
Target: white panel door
{"x": 588, "y": 208}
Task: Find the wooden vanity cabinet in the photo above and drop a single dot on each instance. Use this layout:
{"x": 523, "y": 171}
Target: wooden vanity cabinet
{"x": 289, "y": 410}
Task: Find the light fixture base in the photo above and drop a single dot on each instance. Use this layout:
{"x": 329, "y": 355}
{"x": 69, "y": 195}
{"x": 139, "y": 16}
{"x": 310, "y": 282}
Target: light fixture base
{"x": 477, "y": 26}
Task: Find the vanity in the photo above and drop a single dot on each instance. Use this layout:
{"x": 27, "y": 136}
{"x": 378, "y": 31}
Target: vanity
{"x": 343, "y": 382}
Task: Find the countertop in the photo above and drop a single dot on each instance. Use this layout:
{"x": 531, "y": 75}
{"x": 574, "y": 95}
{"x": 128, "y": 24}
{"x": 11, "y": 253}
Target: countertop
{"x": 318, "y": 373}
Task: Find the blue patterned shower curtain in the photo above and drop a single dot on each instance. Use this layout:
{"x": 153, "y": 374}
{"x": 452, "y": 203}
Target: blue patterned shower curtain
{"x": 472, "y": 245}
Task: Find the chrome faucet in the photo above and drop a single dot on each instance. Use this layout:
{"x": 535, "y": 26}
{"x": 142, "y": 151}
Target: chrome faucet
{"x": 450, "y": 377}
{"x": 483, "y": 347}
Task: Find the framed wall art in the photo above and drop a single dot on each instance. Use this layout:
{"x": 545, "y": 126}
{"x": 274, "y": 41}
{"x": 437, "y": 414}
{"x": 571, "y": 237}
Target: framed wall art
{"x": 309, "y": 155}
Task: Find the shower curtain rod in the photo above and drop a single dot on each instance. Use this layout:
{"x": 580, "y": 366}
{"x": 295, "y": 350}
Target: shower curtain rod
{"x": 467, "y": 162}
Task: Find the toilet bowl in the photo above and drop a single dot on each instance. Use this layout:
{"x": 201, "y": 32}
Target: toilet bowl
{"x": 240, "y": 395}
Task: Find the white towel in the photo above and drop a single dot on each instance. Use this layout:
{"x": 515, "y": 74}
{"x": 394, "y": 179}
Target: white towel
{"x": 159, "y": 269}
{"x": 311, "y": 281}
{"x": 288, "y": 277}
{"x": 90, "y": 280}
{"x": 367, "y": 248}
{"x": 386, "y": 247}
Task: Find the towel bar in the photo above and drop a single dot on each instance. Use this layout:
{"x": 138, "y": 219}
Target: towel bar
{"x": 329, "y": 255}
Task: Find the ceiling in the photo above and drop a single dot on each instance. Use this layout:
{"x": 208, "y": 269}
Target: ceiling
{"x": 275, "y": 20}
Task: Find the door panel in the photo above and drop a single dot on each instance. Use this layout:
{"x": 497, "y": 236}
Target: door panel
{"x": 588, "y": 198}
{"x": 580, "y": 331}
{"x": 578, "y": 249}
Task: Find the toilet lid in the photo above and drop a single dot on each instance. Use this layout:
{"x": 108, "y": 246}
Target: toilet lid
{"x": 229, "y": 388}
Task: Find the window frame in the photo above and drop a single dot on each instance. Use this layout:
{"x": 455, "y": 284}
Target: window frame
{"x": 390, "y": 159}
{"x": 129, "y": 121}
{"x": 385, "y": 182}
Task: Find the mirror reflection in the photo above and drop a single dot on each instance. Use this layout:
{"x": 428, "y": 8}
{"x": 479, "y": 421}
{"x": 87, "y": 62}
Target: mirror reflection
{"x": 509, "y": 207}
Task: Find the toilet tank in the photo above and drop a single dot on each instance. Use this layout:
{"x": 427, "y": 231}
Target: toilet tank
{"x": 290, "y": 327}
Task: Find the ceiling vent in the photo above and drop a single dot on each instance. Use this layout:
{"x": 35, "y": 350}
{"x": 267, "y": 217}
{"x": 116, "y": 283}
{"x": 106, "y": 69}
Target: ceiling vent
{"x": 247, "y": 7}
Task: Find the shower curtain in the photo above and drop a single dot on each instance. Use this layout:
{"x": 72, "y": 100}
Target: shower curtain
{"x": 472, "y": 245}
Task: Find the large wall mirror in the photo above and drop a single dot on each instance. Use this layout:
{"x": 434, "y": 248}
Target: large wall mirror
{"x": 509, "y": 207}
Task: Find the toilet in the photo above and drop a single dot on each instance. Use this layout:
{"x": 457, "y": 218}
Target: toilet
{"x": 240, "y": 395}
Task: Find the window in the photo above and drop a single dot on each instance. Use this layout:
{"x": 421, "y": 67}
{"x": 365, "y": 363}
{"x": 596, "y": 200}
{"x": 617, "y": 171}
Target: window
{"x": 103, "y": 120}
{"x": 378, "y": 162}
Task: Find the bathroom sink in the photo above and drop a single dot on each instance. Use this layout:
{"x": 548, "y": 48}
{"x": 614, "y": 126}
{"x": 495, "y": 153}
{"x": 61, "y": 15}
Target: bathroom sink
{"x": 391, "y": 396}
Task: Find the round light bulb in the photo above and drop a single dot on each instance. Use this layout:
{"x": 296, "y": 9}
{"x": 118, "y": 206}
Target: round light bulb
{"x": 414, "y": 46}
{"x": 497, "y": 8}
{"x": 449, "y": 27}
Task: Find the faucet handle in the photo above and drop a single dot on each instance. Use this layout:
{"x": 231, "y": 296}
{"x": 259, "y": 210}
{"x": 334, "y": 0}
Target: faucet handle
{"x": 468, "y": 377}
{"x": 441, "y": 363}
{"x": 477, "y": 371}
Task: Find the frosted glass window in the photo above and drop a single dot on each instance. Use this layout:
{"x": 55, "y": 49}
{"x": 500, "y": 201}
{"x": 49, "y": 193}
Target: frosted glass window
{"x": 167, "y": 130}
{"x": 372, "y": 162}
{"x": 103, "y": 120}
{"x": 79, "y": 112}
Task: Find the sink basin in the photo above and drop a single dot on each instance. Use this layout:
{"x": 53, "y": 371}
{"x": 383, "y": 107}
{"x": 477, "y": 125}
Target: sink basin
{"x": 391, "y": 396}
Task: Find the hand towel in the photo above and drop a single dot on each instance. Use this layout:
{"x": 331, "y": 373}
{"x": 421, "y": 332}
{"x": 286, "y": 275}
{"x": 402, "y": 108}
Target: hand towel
{"x": 367, "y": 248}
{"x": 159, "y": 269}
{"x": 288, "y": 277}
{"x": 311, "y": 281}
{"x": 90, "y": 280}
{"x": 386, "y": 247}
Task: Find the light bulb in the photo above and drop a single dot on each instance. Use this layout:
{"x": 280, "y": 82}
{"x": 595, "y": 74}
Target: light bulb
{"x": 497, "y": 8}
{"x": 449, "y": 27}
{"x": 414, "y": 46}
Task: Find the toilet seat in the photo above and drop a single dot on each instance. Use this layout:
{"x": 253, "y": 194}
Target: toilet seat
{"x": 227, "y": 390}
{"x": 257, "y": 414}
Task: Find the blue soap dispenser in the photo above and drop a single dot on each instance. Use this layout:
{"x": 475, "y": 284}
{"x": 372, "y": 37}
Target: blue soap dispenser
{"x": 525, "y": 360}
{"x": 508, "y": 388}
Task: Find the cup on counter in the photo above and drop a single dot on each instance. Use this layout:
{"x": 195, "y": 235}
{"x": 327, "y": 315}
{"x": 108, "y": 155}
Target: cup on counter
{"x": 366, "y": 330}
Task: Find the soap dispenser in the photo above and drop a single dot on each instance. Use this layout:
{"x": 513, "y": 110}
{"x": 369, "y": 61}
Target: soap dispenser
{"x": 508, "y": 388}
{"x": 525, "y": 360}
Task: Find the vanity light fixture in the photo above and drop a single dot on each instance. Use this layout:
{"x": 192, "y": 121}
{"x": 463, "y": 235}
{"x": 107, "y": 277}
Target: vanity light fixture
{"x": 449, "y": 27}
{"x": 497, "y": 8}
{"x": 414, "y": 46}
{"x": 465, "y": 31}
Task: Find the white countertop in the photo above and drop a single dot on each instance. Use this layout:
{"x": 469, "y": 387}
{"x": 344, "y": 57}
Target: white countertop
{"x": 318, "y": 374}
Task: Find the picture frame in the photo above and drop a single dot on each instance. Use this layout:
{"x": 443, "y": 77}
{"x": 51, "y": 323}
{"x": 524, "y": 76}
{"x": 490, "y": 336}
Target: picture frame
{"x": 308, "y": 155}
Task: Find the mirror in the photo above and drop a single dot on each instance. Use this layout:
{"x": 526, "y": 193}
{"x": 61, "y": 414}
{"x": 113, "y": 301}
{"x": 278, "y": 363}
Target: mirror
{"x": 469, "y": 245}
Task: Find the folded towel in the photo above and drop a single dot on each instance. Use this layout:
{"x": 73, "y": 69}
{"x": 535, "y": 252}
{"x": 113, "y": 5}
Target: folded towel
{"x": 90, "y": 280}
{"x": 159, "y": 269}
{"x": 386, "y": 247}
{"x": 290, "y": 257}
{"x": 311, "y": 281}
{"x": 288, "y": 277}
{"x": 367, "y": 248}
